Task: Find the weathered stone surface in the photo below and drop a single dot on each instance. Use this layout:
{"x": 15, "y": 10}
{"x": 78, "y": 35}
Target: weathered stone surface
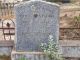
{"x": 35, "y": 21}
{"x": 6, "y": 48}
{"x": 70, "y": 48}
{"x": 5, "y": 51}
{"x": 71, "y": 51}
{"x": 29, "y": 56}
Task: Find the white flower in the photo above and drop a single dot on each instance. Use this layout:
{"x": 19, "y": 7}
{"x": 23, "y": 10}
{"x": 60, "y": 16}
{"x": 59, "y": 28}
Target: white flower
{"x": 50, "y": 37}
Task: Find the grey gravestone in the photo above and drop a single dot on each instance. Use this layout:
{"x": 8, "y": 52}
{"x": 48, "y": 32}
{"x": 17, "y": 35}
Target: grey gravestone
{"x": 35, "y": 21}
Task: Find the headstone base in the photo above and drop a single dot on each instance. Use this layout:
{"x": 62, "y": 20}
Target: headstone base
{"x": 28, "y": 56}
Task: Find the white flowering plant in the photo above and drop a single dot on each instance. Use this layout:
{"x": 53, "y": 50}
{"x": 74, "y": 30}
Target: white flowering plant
{"x": 51, "y": 49}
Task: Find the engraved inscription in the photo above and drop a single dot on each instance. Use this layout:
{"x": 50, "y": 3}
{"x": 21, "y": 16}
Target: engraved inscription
{"x": 35, "y": 22}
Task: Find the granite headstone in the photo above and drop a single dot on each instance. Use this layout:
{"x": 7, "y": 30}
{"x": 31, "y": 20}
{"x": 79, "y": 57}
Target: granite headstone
{"x": 35, "y": 21}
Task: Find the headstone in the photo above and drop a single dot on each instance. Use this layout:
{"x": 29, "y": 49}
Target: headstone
{"x": 35, "y": 21}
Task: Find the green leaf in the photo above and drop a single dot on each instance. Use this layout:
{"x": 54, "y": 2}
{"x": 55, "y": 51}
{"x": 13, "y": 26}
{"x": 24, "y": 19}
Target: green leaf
{"x": 51, "y": 49}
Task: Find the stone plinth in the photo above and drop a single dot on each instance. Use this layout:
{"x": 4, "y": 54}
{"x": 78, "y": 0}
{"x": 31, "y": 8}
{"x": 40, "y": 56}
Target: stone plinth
{"x": 29, "y": 56}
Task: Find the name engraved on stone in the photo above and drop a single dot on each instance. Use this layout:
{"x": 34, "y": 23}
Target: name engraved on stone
{"x": 42, "y": 15}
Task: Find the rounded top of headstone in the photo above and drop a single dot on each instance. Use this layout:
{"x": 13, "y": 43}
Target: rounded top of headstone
{"x": 36, "y": 1}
